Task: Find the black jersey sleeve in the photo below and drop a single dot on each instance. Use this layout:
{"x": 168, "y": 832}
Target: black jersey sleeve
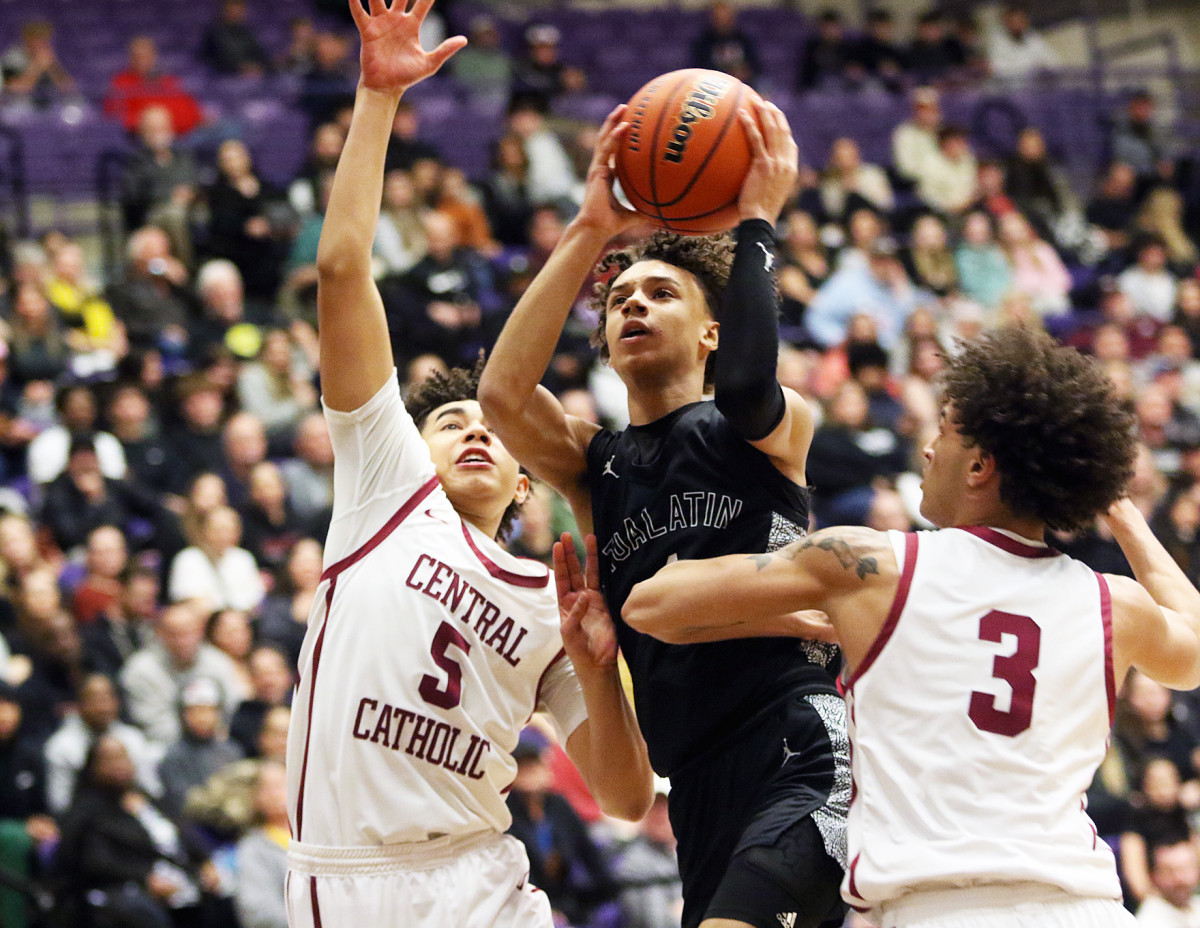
{"x": 747, "y": 393}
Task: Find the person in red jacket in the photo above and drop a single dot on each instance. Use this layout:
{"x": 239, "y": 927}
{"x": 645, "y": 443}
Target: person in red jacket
{"x": 142, "y": 85}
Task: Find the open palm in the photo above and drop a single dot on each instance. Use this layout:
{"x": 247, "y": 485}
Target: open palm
{"x": 392, "y": 59}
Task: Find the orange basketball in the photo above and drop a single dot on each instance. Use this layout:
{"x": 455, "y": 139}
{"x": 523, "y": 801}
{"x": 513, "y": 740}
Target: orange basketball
{"x": 685, "y": 154}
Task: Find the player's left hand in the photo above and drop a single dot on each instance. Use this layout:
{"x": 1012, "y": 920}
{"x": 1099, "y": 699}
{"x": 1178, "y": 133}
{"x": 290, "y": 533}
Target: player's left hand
{"x": 774, "y": 164}
{"x": 588, "y": 634}
{"x": 392, "y": 59}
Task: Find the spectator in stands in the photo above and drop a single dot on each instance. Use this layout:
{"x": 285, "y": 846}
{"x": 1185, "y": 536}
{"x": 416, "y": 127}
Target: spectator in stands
{"x": 400, "y": 235}
{"x": 827, "y": 60}
{"x": 848, "y": 453}
{"x": 724, "y": 46}
{"x": 1115, "y": 207}
{"x": 105, "y": 561}
{"x": 152, "y": 301}
{"x": 32, "y": 69}
{"x": 231, "y": 632}
{"x": 249, "y": 222}
{"x": 309, "y": 474}
{"x": 301, "y": 54}
{"x": 273, "y": 736}
{"x": 456, "y": 199}
{"x": 216, "y": 570}
{"x": 975, "y": 66}
{"x": 159, "y": 181}
{"x": 93, "y": 334}
{"x": 1037, "y": 186}
{"x": 877, "y": 287}
{"x": 1038, "y": 271}
{"x": 324, "y": 151}
{"x": 563, "y": 859}
{"x": 123, "y": 855}
{"x": 98, "y": 714}
{"x": 1175, "y": 876}
{"x": 82, "y": 499}
{"x": 505, "y": 190}
{"x": 648, "y": 872}
{"x": 405, "y": 147}
{"x": 1187, "y": 311}
{"x": 915, "y": 141}
{"x": 203, "y": 747}
{"x": 153, "y": 677}
{"x": 77, "y": 412}
{"x": 119, "y": 631}
{"x": 805, "y": 264}
{"x": 262, "y": 853}
{"x": 195, "y": 442}
{"x": 244, "y": 447}
{"x": 277, "y": 387}
{"x": 1162, "y": 214}
{"x": 928, "y": 260}
{"x": 271, "y": 681}
{"x": 37, "y": 349}
{"x": 221, "y": 322}
{"x": 134, "y": 426}
{"x": 1157, "y": 817}
{"x": 484, "y": 67}
{"x": 879, "y": 54}
{"x": 328, "y": 85}
{"x": 848, "y": 184}
{"x": 49, "y": 643}
{"x": 283, "y": 617}
{"x": 1016, "y": 52}
{"x": 142, "y": 84}
{"x": 25, "y": 828}
{"x": 272, "y": 527}
{"x": 1138, "y": 141}
{"x": 540, "y": 76}
{"x": 933, "y": 55}
{"x": 230, "y": 47}
{"x": 984, "y": 274}
{"x": 867, "y": 228}
{"x": 948, "y": 177}
{"x": 551, "y": 178}
{"x": 1149, "y": 283}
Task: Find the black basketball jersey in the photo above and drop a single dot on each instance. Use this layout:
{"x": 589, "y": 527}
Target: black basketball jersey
{"x": 688, "y": 486}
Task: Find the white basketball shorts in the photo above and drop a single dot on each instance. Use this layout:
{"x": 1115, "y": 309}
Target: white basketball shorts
{"x": 1022, "y": 905}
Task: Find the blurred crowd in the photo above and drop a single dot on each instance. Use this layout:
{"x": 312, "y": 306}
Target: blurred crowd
{"x": 167, "y": 474}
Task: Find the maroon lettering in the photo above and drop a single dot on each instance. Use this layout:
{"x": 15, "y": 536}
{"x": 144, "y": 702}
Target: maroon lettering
{"x": 420, "y": 737}
{"x": 402, "y": 717}
{"x": 383, "y": 726}
{"x": 475, "y": 773}
{"x": 499, "y": 638}
{"x": 446, "y": 762}
{"x": 466, "y": 758}
{"x": 508, "y": 656}
{"x": 476, "y": 599}
{"x": 486, "y": 618}
{"x": 435, "y": 580}
{"x": 438, "y": 739}
{"x": 362, "y": 707}
{"x": 454, "y": 595}
{"x": 413, "y": 573}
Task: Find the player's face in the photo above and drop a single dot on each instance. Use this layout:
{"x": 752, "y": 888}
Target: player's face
{"x": 947, "y": 459}
{"x": 657, "y": 319}
{"x": 477, "y": 472}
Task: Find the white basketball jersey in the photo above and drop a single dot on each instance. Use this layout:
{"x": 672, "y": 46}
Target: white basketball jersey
{"x": 428, "y": 648}
{"x": 977, "y": 720}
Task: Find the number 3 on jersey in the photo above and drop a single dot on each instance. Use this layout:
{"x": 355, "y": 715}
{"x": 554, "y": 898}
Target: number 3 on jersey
{"x": 431, "y": 689}
{"x": 1015, "y": 669}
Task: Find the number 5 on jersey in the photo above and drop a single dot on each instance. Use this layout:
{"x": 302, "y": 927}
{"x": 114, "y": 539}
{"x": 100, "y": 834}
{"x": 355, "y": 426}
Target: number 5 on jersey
{"x": 431, "y": 688}
{"x": 1015, "y": 669}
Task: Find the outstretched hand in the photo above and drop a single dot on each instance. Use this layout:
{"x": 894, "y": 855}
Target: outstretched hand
{"x": 600, "y": 208}
{"x": 392, "y": 59}
{"x": 774, "y": 162}
{"x": 588, "y": 634}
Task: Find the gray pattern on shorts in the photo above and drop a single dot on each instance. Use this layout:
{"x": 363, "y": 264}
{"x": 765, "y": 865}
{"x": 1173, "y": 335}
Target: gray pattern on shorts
{"x": 830, "y": 819}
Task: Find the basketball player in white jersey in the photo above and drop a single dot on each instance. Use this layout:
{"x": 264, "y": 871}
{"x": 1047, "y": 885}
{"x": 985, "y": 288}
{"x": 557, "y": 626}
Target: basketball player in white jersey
{"x": 981, "y": 665}
{"x": 428, "y": 647}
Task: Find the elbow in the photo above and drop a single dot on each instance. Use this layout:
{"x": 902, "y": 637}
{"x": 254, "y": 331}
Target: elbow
{"x": 341, "y": 260}
{"x": 631, "y": 805}
{"x": 643, "y": 613}
{"x": 496, "y": 398}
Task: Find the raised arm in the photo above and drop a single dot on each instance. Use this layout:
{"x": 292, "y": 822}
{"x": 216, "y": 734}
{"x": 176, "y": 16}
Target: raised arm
{"x": 1156, "y": 621}
{"x": 848, "y": 573}
{"x": 356, "y": 355}
{"x": 527, "y": 417}
{"x": 607, "y": 748}
{"x": 776, "y": 421}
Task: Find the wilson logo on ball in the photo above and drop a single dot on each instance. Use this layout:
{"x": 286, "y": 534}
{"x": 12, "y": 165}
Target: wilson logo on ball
{"x": 701, "y": 103}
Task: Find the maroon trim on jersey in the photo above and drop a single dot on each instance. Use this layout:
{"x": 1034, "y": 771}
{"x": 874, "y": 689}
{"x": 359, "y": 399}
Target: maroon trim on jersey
{"x": 390, "y": 526}
{"x": 851, "y": 883}
{"x": 316, "y": 906}
{"x": 893, "y": 616}
{"x": 312, "y": 694}
{"x": 533, "y": 583}
{"x": 1110, "y": 680}
{"x": 537, "y": 694}
{"x": 1004, "y": 543}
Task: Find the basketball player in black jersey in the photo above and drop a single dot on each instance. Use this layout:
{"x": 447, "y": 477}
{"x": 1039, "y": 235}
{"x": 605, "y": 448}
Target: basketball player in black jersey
{"x": 750, "y": 731}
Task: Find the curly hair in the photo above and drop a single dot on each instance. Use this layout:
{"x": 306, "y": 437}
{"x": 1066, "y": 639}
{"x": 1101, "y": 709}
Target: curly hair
{"x": 708, "y": 258}
{"x": 459, "y": 383}
{"x": 1062, "y": 439}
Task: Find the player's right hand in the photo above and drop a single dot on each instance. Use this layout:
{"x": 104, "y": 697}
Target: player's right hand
{"x": 392, "y": 59}
{"x": 600, "y": 208}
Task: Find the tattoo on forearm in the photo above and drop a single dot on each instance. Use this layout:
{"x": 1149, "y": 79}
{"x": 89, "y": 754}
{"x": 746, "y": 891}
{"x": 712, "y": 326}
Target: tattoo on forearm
{"x": 848, "y": 556}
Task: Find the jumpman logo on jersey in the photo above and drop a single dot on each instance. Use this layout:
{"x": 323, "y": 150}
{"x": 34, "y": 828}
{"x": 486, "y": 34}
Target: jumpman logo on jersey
{"x": 788, "y": 754}
{"x": 769, "y": 260}
{"x": 609, "y": 471}
{"x": 787, "y": 919}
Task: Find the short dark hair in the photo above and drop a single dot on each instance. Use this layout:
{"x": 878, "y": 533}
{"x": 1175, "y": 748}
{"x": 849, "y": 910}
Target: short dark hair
{"x": 1063, "y": 441}
{"x": 459, "y": 383}
{"x": 708, "y": 258}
